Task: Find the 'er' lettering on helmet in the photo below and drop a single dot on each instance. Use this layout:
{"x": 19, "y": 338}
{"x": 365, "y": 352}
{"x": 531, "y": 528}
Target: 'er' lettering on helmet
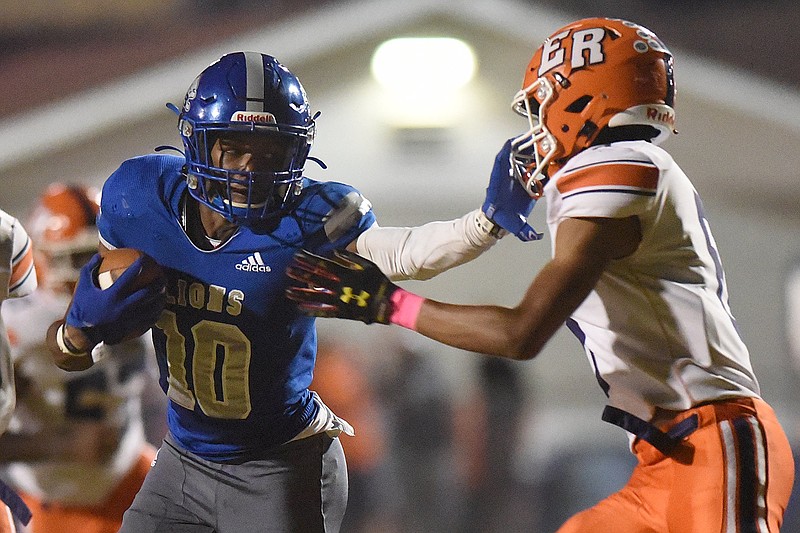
{"x": 590, "y": 40}
{"x": 592, "y": 76}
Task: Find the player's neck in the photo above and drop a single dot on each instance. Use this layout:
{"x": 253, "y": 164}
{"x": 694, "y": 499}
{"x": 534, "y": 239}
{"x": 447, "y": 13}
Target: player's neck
{"x": 215, "y": 225}
{"x": 205, "y": 227}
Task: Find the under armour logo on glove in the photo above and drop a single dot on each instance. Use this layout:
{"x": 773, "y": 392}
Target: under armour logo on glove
{"x": 347, "y": 296}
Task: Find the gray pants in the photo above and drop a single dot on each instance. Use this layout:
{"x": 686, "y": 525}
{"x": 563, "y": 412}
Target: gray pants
{"x": 298, "y": 487}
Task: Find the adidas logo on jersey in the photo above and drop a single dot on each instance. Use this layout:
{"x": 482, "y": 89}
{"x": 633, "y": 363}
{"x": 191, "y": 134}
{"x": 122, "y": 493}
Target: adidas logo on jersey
{"x": 254, "y": 263}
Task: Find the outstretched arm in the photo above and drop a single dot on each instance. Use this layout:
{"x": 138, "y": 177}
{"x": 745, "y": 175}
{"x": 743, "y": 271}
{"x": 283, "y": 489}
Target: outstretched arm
{"x": 425, "y": 251}
{"x": 584, "y": 248}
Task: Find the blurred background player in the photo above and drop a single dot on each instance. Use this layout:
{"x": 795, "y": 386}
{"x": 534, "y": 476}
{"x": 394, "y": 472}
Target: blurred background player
{"x": 76, "y": 448}
{"x": 342, "y": 378}
{"x": 17, "y": 278}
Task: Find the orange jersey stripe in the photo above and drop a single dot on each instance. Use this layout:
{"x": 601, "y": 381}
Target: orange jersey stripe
{"x": 22, "y": 267}
{"x": 610, "y": 174}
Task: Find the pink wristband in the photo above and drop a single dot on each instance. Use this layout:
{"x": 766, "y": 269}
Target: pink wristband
{"x": 406, "y": 306}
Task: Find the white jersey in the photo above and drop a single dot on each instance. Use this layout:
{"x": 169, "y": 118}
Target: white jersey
{"x": 95, "y": 413}
{"x": 657, "y": 327}
{"x": 17, "y": 278}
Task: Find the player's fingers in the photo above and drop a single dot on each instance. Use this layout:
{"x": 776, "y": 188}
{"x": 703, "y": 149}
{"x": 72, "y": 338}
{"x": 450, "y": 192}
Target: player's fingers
{"x": 93, "y": 262}
{"x": 314, "y": 307}
{"x": 143, "y": 297}
{"x": 297, "y": 274}
{"x": 87, "y": 271}
{"x": 310, "y": 294}
{"x": 314, "y": 265}
{"x": 341, "y": 259}
{"x": 527, "y": 233}
{"x": 318, "y": 310}
{"x": 305, "y": 257}
{"x": 351, "y": 260}
{"x": 314, "y": 277}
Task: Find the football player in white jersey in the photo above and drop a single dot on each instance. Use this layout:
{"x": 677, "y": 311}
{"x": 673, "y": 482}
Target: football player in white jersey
{"x": 636, "y": 276}
{"x": 17, "y": 278}
{"x": 75, "y": 450}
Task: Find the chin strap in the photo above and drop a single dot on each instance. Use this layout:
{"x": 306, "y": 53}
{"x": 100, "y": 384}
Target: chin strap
{"x": 318, "y": 161}
{"x": 165, "y": 147}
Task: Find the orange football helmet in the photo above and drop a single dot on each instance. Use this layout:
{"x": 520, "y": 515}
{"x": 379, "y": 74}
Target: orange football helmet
{"x": 592, "y": 74}
{"x": 63, "y": 229}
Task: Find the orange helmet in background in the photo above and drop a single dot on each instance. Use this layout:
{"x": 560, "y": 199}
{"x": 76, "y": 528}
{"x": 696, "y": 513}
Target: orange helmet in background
{"x": 63, "y": 228}
{"x": 590, "y": 75}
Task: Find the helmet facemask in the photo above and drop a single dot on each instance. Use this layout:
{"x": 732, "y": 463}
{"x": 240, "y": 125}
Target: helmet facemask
{"x": 533, "y": 151}
{"x": 241, "y": 195}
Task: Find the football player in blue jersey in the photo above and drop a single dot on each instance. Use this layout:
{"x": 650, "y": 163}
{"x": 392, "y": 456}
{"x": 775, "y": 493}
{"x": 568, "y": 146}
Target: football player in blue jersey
{"x": 249, "y": 447}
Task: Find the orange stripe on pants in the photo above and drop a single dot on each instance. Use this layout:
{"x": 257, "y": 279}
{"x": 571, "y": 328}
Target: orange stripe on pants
{"x": 734, "y": 474}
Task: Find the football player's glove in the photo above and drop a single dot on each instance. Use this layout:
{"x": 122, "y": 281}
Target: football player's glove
{"x": 507, "y": 203}
{"x": 345, "y": 286}
{"x": 110, "y": 315}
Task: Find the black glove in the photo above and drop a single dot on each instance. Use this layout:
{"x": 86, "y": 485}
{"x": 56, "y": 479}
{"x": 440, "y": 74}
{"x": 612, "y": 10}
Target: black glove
{"x": 345, "y": 286}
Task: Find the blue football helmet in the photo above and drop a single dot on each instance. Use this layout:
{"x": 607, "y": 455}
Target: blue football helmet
{"x": 246, "y": 93}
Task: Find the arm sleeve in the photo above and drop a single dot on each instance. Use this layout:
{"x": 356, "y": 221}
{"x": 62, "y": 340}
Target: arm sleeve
{"x": 23, "y": 272}
{"x": 425, "y": 251}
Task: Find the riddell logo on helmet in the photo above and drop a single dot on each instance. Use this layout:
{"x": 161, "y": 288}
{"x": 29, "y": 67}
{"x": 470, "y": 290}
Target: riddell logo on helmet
{"x": 253, "y": 116}
{"x": 659, "y": 115}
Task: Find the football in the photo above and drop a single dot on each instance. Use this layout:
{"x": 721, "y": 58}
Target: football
{"x": 116, "y": 261}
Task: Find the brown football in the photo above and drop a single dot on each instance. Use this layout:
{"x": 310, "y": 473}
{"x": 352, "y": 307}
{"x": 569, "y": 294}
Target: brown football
{"x": 116, "y": 261}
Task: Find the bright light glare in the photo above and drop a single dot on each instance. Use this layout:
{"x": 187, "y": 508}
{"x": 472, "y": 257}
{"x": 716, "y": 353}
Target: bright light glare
{"x": 433, "y": 64}
{"x": 424, "y": 80}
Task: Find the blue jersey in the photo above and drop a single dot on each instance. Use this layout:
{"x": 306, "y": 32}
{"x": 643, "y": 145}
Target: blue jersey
{"x": 235, "y": 356}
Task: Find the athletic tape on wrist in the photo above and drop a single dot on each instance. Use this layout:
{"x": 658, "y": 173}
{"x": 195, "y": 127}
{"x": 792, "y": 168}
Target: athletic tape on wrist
{"x": 406, "y": 307}
{"x": 489, "y": 227}
{"x": 65, "y": 346}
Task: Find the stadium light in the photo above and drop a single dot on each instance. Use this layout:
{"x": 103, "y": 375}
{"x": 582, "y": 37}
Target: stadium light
{"x": 423, "y": 78}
